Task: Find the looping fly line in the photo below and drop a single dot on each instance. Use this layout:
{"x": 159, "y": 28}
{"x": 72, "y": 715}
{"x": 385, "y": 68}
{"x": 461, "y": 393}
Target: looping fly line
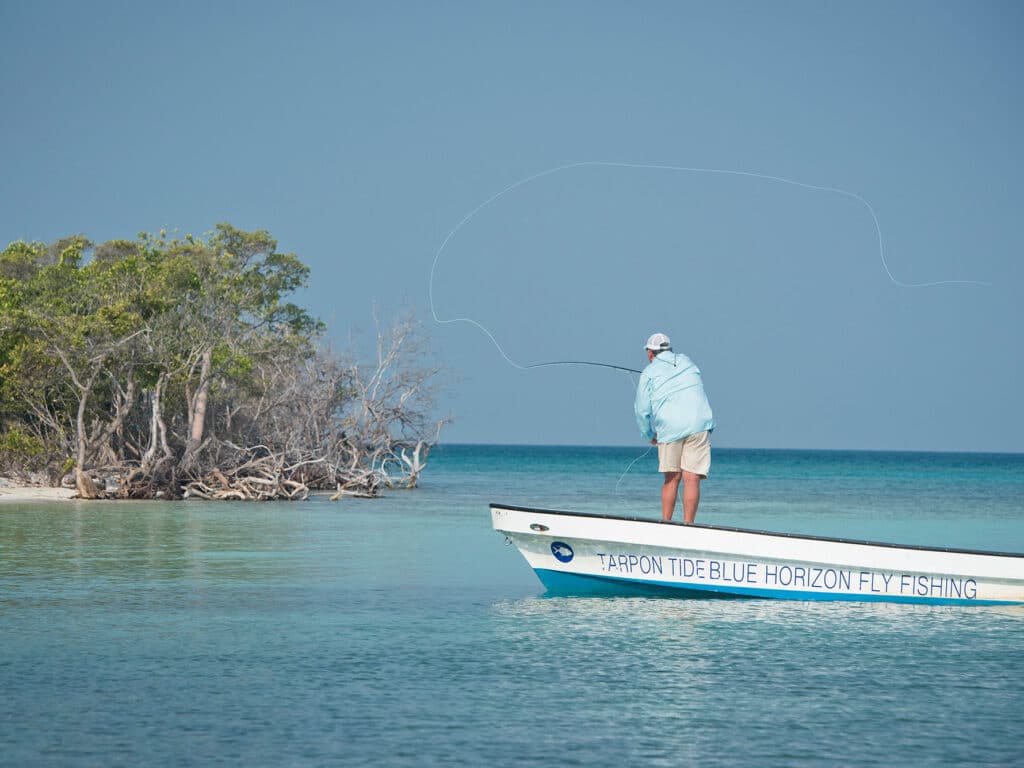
{"x": 656, "y": 167}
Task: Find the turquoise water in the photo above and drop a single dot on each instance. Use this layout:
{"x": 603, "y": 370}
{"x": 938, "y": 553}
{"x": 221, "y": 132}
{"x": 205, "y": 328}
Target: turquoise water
{"x": 402, "y": 631}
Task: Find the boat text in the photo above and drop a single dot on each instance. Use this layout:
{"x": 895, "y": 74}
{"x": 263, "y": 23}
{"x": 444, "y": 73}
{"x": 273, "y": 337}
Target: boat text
{"x": 777, "y": 576}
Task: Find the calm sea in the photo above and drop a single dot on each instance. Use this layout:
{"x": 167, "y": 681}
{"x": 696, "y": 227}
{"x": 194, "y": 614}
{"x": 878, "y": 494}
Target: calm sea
{"x": 403, "y": 631}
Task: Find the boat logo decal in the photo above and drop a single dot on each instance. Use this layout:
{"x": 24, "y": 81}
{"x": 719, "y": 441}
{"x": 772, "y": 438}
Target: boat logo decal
{"x": 563, "y": 552}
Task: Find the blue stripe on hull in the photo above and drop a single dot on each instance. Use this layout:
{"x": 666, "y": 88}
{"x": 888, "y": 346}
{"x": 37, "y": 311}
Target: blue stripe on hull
{"x": 562, "y": 583}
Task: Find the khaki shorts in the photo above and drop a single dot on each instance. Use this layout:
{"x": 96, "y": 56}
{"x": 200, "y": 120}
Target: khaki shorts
{"x": 692, "y": 454}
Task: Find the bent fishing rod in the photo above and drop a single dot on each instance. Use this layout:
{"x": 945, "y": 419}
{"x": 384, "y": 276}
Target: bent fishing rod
{"x": 583, "y": 362}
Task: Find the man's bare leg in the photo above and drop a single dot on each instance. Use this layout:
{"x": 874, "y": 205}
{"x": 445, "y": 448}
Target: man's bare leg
{"x": 669, "y": 492}
{"x": 691, "y": 496}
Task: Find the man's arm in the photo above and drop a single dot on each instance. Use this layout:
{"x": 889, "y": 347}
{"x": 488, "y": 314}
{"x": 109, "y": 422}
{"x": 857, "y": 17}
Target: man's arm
{"x": 643, "y": 408}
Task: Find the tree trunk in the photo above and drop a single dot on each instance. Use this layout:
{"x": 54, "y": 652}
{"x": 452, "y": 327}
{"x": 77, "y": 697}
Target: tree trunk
{"x": 198, "y": 414}
{"x": 124, "y": 400}
{"x": 157, "y": 433}
{"x": 201, "y": 397}
{"x": 86, "y": 487}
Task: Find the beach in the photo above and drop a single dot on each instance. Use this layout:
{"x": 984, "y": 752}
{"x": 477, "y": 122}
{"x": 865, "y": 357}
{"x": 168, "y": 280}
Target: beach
{"x": 20, "y": 493}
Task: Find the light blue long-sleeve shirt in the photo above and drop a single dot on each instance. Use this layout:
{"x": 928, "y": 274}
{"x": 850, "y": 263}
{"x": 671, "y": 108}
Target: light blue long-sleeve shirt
{"x": 670, "y": 399}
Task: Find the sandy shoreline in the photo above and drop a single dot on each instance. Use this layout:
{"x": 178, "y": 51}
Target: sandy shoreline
{"x": 9, "y": 493}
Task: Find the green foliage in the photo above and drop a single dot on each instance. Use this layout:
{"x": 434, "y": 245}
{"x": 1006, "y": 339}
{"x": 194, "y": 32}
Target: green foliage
{"x": 86, "y": 330}
{"x": 16, "y": 442}
{"x": 20, "y": 260}
{"x": 20, "y": 450}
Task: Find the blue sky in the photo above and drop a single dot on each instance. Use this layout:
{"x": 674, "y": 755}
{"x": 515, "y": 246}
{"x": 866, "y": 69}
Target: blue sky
{"x": 361, "y": 134}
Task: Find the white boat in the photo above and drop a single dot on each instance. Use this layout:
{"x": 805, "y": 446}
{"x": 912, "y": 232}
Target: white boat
{"x": 576, "y": 553}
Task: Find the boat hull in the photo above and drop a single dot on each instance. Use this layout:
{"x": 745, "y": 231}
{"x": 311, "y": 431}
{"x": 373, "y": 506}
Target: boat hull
{"x": 574, "y": 553}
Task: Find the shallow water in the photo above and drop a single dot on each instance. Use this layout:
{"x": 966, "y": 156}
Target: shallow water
{"x": 402, "y": 631}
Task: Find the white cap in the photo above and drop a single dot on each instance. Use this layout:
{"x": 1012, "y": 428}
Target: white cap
{"x": 658, "y": 342}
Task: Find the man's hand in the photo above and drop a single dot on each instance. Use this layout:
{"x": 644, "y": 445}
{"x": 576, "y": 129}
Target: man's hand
{"x": 654, "y": 441}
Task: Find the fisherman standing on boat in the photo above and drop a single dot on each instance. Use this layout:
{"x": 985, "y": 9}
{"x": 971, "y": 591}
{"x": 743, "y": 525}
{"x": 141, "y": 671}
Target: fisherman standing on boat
{"x": 673, "y": 413}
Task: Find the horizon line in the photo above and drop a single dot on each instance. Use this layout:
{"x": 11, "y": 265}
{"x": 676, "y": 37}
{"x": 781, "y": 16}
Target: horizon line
{"x": 469, "y": 444}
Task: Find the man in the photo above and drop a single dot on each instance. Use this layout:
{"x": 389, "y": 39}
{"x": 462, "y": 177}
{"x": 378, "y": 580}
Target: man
{"x": 673, "y": 413}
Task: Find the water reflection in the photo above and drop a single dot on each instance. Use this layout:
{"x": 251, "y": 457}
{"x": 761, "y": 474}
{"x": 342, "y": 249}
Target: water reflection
{"x": 572, "y": 612}
{"x": 110, "y": 543}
